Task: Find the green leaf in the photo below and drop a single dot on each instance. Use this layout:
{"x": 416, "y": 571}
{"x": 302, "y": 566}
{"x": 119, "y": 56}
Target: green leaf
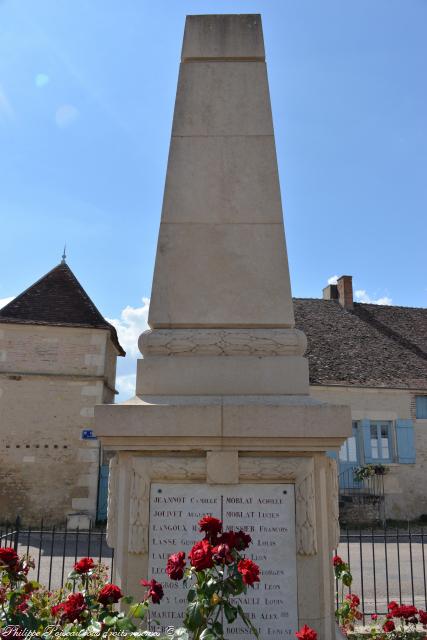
{"x": 125, "y": 625}
{"x": 208, "y": 635}
{"x": 110, "y": 620}
{"x": 347, "y": 578}
{"x": 191, "y": 595}
{"x": 218, "y": 628}
{"x": 138, "y": 610}
{"x": 193, "y": 616}
{"x": 127, "y": 599}
{"x": 230, "y": 612}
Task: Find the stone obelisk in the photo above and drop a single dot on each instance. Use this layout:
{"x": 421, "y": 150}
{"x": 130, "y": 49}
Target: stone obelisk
{"x": 222, "y": 395}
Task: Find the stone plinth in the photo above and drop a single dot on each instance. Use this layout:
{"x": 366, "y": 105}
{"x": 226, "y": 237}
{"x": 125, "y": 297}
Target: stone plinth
{"x": 223, "y": 389}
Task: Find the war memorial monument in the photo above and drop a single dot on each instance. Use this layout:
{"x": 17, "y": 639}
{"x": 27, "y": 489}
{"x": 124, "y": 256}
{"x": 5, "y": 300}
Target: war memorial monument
{"x": 222, "y": 421}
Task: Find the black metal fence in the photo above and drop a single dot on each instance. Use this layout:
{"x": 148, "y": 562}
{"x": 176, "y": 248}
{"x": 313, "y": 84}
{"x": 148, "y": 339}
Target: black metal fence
{"x": 56, "y": 549}
{"x": 386, "y": 564}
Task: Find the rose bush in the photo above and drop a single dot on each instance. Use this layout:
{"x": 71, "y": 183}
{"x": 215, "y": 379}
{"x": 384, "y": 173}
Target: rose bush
{"x": 402, "y": 622}
{"x": 216, "y": 573}
{"x": 83, "y": 607}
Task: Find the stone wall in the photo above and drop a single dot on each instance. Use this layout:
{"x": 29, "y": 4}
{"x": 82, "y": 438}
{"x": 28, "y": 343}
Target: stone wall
{"x": 51, "y": 378}
{"x": 405, "y": 495}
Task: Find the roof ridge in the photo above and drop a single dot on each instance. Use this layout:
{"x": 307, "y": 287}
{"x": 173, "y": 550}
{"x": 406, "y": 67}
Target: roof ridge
{"x": 388, "y": 306}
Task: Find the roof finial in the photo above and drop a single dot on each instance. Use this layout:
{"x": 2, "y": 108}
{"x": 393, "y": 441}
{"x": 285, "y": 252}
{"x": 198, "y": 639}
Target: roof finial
{"x": 64, "y": 256}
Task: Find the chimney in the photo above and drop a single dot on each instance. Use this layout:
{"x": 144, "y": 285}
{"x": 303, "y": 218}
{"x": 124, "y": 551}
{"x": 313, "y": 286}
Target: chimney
{"x": 330, "y": 292}
{"x": 345, "y": 291}
{"x": 342, "y": 292}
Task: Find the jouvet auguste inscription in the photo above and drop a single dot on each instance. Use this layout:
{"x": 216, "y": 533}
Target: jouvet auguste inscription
{"x": 266, "y": 512}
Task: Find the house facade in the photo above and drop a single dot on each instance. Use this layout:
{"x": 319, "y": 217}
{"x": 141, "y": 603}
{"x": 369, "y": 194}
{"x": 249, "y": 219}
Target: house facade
{"x": 374, "y": 359}
{"x": 57, "y": 361}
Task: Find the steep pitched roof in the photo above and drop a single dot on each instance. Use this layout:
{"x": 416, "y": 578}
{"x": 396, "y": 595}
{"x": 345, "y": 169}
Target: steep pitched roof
{"x": 57, "y": 299}
{"x": 371, "y": 345}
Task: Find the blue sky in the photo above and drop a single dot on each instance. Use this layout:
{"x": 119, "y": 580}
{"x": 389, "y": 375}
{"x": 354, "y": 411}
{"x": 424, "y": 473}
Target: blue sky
{"x": 86, "y": 97}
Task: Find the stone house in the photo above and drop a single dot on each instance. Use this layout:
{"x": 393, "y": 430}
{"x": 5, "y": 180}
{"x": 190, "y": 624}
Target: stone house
{"x": 57, "y": 361}
{"x": 374, "y": 359}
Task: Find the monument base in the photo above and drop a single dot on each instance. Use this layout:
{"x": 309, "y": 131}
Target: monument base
{"x": 228, "y": 446}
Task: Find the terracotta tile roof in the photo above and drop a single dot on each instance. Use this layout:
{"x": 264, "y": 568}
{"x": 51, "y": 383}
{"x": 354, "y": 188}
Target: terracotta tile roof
{"x": 57, "y": 299}
{"x": 372, "y": 345}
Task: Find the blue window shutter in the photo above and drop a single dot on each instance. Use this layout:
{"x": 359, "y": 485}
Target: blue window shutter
{"x": 366, "y": 431}
{"x": 405, "y": 441}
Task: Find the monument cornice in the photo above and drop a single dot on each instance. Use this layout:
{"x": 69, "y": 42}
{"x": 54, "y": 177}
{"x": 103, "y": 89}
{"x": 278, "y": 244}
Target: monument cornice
{"x": 201, "y": 444}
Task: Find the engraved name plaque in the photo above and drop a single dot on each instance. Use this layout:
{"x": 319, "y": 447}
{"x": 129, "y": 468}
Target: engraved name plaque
{"x": 266, "y": 512}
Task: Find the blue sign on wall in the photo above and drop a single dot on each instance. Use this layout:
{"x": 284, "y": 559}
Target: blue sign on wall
{"x": 88, "y": 434}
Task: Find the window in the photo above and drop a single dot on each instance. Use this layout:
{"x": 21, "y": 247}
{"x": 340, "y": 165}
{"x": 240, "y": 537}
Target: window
{"x": 348, "y": 451}
{"x": 380, "y": 435}
{"x": 421, "y": 407}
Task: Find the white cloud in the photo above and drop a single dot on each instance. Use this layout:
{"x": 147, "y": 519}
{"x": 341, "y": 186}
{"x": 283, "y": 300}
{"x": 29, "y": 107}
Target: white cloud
{"x": 126, "y": 386}
{"x": 5, "y": 301}
{"x": 333, "y": 280}
{"x": 41, "y": 80}
{"x": 362, "y": 296}
{"x": 65, "y": 115}
{"x": 133, "y": 321}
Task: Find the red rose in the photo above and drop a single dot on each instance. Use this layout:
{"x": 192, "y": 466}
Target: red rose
{"x": 72, "y": 609}
{"x": 176, "y": 565}
{"x": 9, "y": 558}
{"x": 407, "y": 612}
{"x": 353, "y": 599}
{"x": 243, "y": 540}
{"x": 221, "y": 554}
{"x": 392, "y": 605}
{"x": 211, "y": 526}
{"x": 388, "y": 626}
{"x": 374, "y": 617}
{"x": 306, "y": 633}
{"x": 235, "y": 540}
{"x": 84, "y": 565}
{"x": 338, "y": 561}
{"x": 109, "y": 594}
{"x": 229, "y": 538}
{"x": 200, "y": 555}
{"x": 249, "y": 571}
{"x": 422, "y": 616}
{"x": 23, "y": 605}
{"x": 155, "y": 591}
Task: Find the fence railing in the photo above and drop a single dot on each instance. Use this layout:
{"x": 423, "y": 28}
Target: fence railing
{"x": 386, "y": 564}
{"x": 56, "y": 549}
{"x": 370, "y": 486}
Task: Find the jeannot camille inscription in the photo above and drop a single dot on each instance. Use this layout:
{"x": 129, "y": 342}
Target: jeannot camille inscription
{"x": 266, "y": 512}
